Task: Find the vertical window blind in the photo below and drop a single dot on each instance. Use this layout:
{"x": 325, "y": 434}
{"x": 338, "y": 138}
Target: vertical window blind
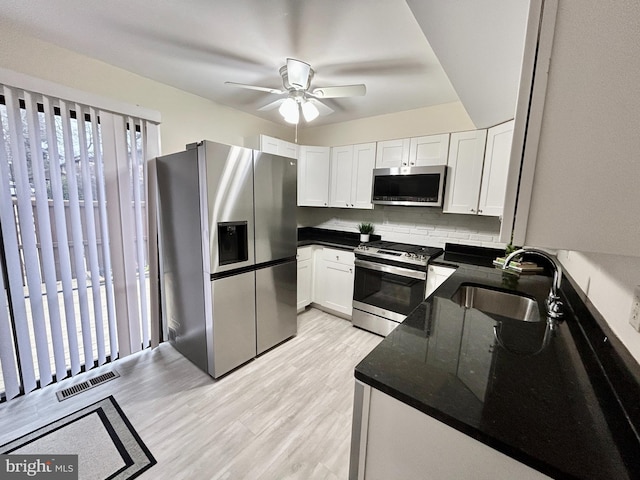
{"x": 79, "y": 283}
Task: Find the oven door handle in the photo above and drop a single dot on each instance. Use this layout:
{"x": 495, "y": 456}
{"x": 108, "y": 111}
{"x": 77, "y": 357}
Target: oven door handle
{"x": 403, "y": 272}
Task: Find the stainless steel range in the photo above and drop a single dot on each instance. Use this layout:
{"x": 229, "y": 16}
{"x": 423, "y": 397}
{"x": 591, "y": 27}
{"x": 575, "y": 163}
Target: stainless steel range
{"x": 390, "y": 281}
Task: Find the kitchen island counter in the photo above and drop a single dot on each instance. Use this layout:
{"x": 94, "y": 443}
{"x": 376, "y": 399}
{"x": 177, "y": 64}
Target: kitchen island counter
{"x": 550, "y": 406}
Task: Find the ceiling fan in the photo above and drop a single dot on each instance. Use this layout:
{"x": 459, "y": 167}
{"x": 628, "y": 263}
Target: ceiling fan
{"x": 296, "y": 80}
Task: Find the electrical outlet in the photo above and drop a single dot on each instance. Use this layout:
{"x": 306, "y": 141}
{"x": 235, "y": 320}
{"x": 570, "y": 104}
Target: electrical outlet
{"x": 634, "y": 318}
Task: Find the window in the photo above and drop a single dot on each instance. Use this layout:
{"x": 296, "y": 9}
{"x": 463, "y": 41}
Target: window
{"x": 74, "y": 229}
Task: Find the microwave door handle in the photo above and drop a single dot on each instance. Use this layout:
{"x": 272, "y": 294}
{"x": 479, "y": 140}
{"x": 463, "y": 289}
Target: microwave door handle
{"x": 404, "y": 272}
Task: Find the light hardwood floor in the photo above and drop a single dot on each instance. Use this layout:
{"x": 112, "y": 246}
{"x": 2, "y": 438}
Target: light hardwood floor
{"x": 285, "y": 415}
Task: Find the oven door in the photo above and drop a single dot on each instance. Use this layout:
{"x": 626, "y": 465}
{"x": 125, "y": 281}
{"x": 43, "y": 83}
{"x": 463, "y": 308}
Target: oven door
{"x": 388, "y": 291}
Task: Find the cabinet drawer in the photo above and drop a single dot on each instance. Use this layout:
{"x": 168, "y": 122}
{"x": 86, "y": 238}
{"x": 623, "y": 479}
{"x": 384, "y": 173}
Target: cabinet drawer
{"x": 304, "y": 253}
{"x": 339, "y": 256}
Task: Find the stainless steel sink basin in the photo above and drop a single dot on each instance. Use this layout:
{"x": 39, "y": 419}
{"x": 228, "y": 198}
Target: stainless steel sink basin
{"x": 496, "y": 302}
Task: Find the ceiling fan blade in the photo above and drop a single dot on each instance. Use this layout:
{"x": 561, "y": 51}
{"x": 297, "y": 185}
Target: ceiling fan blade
{"x": 298, "y": 73}
{"x": 322, "y": 108}
{"x": 255, "y": 87}
{"x": 272, "y": 105}
{"x": 340, "y": 91}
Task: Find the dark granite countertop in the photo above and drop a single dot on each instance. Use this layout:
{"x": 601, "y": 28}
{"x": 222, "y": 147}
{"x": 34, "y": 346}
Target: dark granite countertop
{"x": 554, "y": 410}
{"x": 330, "y": 238}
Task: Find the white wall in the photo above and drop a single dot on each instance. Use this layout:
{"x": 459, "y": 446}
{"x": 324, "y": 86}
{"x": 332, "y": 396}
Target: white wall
{"x": 608, "y": 281}
{"x": 416, "y": 225}
{"x": 449, "y": 117}
{"x": 186, "y": 118}
{"x": 586, "y": 191}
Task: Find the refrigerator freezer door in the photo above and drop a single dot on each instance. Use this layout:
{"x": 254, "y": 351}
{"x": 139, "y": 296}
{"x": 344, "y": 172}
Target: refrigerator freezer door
{"x": 234, "y": 322}
{"x": 275, "y": 207}
{"x": 227, "y": 179}
{"x": 276, "y": 301}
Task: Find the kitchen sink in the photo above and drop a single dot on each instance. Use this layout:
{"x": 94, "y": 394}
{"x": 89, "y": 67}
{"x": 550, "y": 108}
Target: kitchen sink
{"x": 496, "y": 302}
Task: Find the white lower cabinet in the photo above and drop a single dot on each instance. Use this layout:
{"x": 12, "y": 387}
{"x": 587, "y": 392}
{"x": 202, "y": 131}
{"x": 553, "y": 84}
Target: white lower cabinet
{"x": 334, "y": 280}
{"x": 393, "y": 440}
{"x": 305, "y": 277}
{"x": 436, "y": 275}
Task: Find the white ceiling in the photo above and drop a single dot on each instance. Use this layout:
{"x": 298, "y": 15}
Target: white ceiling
{"x": 197, "y": 45}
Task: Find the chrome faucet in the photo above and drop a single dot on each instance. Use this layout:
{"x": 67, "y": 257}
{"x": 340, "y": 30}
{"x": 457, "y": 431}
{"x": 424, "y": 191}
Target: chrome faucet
{"x": 554, "y": 304}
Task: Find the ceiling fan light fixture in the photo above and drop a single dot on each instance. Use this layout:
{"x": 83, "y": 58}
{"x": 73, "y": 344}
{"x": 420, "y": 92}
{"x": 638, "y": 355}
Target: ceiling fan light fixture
{"x": 293, "y": 119}
{"x": 288, "y": 108}
{"x": 289, "y": 111}
{"x": 298, "y": 73}
{"x": 309, "y": 111}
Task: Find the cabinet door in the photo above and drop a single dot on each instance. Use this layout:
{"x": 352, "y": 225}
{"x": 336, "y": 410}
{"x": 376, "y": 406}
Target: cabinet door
{"x": 304, "y": 283}
{"x": 334, "y": 278}
{"x": 287, "y": 149}
{"x": 364, "y": 159}
{"x": 400, "y": 442}
{"x": 428, "y": 151}
{"x": 495, "y": 170}
{"x": 392, "y": 153}
{"x": 338, "y": 287}
{"x": 436, "y": 276}
{"x": 313, "y": 176}
{"x": 341, "y": 176}
{"x": 466, "y": 155}
{"x": 269, "y": 144}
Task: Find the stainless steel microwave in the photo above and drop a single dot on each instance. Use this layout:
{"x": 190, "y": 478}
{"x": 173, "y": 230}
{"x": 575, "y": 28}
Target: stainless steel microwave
{"x": 411, "y": 186}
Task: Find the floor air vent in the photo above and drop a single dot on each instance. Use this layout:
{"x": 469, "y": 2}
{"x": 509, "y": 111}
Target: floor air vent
{"x": 86, "y": 385}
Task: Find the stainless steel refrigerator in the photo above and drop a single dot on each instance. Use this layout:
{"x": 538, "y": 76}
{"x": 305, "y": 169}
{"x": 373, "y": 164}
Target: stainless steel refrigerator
{"x": 228, "y": 244}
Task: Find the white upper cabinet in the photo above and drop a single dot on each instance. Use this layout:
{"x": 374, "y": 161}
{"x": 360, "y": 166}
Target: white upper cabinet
{"x": 413, "y": 152}
{"x": 341, "y": 176}
{"x": 495, "y": 170}
{"x": 464, "y": 172}
{"x": 268, "y": 144}
{"x": 288, "y": 149}
{"x": 428, "y": 151}
{"x": 364, "y": 160}
{"x": 351, "y": 175}
{"x": 393, "y": 153}
{"x": 313, "y": 176}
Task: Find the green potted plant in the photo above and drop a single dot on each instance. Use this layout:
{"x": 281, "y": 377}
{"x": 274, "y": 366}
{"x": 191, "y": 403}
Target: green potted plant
{"x": 365, "y": 229}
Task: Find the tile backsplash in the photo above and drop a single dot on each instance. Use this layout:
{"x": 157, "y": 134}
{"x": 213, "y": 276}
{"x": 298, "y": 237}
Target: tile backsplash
{"x": 416, "y": 225}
